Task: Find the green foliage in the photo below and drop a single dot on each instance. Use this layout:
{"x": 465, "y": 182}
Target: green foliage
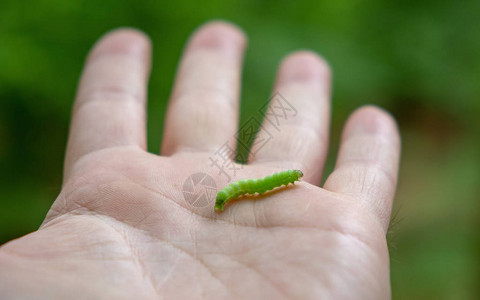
{"x": 419, "y": 59}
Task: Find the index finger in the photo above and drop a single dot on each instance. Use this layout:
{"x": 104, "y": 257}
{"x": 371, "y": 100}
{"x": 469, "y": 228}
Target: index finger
{"x": 367, "y": 164}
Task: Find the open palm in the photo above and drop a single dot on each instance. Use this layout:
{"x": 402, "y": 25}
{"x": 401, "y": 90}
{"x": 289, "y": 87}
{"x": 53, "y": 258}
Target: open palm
{"x": 125, "y": 227}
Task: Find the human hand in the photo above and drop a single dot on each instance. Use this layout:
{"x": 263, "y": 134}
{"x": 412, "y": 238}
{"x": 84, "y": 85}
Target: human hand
{"x": 121, "y": 227}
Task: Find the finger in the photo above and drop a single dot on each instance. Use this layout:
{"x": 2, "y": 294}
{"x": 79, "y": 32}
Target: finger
{"x": 109, "y": 108}
{"x": 367, "y": 163}
{"x": 294, "y": 133}
{"x": 203, "y": 109}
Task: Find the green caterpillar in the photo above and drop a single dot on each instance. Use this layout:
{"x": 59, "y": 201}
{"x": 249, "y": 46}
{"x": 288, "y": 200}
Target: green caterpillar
{"x": 252, "y": 186}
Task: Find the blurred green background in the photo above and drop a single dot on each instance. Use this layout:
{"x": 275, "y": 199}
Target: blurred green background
{"x": 418, "y": 59}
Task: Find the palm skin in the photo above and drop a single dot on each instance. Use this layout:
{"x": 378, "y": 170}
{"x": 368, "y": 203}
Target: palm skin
{"x": 121, "y": 227}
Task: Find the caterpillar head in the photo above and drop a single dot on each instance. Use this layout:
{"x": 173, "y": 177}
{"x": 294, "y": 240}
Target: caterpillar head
{"x": 299, "y": 173}
{"x": 222, "y": 197}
